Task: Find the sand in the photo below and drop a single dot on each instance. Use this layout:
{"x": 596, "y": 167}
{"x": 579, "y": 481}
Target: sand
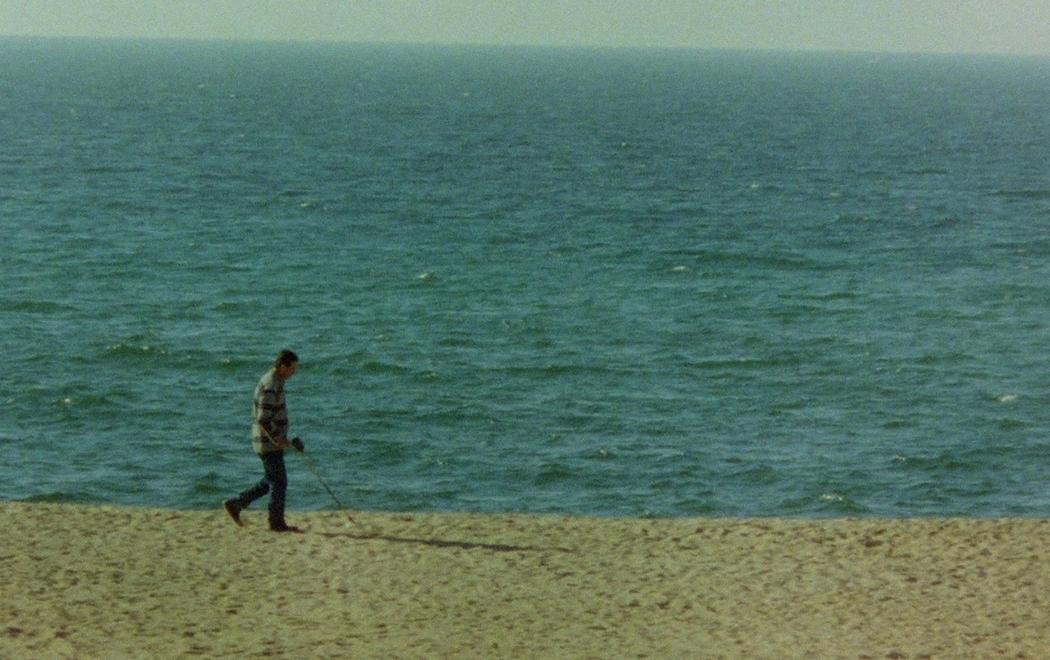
{"x": 106, "y": 582}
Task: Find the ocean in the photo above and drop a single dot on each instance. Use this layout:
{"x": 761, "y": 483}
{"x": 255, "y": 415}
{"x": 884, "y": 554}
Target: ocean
{"x": 654, "y": 283}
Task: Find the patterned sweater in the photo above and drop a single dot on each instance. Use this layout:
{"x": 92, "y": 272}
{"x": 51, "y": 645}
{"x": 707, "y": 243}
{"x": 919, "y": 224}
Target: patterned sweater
{"x": 270, "y": 413}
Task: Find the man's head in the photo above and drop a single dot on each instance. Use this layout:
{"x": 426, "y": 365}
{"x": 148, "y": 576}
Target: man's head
{"x": 286, "y": 364}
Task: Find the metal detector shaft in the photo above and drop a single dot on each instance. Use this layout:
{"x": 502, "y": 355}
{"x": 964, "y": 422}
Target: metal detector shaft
{"x": 313, "y": 468}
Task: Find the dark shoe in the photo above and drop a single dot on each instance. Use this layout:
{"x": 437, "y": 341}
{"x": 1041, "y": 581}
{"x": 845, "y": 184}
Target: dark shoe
{"x": 286, "y": 528}
{"x": 234, "y": 509}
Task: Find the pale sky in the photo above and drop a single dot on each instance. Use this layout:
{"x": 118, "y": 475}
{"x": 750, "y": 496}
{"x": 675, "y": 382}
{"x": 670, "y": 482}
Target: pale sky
{"x": 930, "y": 26}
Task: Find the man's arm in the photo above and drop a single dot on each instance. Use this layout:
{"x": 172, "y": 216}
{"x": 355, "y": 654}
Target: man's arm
{"x": 280, "y": 443}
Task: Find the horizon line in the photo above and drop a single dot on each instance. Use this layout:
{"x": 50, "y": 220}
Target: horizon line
{"x": 526, "y": 45}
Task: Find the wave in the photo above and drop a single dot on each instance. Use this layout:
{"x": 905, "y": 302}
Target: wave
{"x": 1011, "y": 424}
{"x": 238, "y": 364}
{"x": 832, "y": 296}
{"x": 556, "y": 370}
{"x": 838, "y": 504}
{"x": 37, "y": 307}
{"x": 458, "y": 341}
{"x": 86, "y": 402}
{"x": 749, "y": 364}
{"x": 774, "y": 261}
{"x": 973, "y": 459}
{"x": 380, "y": 367}
{"x": 137, "y": 350}
{"x": 949, "y": 357}
{"x": 758, "y": 475}
{"x": 209, "y": 484}
{"x": 57, "y": 497}
{"x": 1024, "y": 193}
{"x": 826, "y": 503}
{"x": 926, "y": 171}
{"x": 553, "y": 473}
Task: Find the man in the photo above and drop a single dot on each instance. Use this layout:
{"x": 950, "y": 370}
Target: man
{"x": 270, "y": 439}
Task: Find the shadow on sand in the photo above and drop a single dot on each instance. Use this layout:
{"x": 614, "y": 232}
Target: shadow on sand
{"x": 442, "y": 543}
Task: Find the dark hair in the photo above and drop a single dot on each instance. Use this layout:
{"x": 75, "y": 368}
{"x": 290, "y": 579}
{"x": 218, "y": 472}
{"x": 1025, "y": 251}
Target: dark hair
{"x": 285, "y": 358}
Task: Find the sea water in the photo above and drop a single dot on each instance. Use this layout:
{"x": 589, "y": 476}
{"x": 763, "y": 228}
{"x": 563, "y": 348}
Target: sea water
{"x": 598, "y": 282}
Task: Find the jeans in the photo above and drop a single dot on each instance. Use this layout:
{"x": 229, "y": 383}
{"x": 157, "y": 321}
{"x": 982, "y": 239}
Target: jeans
{"x": 275, "y": 482}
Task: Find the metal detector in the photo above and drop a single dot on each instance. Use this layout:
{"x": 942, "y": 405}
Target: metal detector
{"x": 313, "y": 468}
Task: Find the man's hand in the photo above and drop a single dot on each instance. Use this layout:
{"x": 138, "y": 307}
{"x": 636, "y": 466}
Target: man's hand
{"x": 298, "y": 444}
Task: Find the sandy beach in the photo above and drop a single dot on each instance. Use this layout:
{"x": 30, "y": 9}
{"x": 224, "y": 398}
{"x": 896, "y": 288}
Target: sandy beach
{"x": 106, "y": 582}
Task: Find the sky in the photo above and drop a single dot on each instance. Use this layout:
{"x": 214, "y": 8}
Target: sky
{"x": 910, "y": 26}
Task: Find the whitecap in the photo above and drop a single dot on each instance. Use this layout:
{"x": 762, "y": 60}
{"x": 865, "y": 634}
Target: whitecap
{"x": 1006, "y": 398}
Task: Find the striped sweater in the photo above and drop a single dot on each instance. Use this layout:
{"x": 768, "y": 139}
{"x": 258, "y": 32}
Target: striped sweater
{"x": 270, "y": 413}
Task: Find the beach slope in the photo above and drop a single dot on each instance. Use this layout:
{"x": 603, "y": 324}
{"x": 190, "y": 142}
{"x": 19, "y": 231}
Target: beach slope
{"x": 107, "y": 582}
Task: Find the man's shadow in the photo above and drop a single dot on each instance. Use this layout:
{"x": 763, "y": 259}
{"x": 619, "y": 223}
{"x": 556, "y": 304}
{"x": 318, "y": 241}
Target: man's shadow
{"x": 442, "y": 543}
